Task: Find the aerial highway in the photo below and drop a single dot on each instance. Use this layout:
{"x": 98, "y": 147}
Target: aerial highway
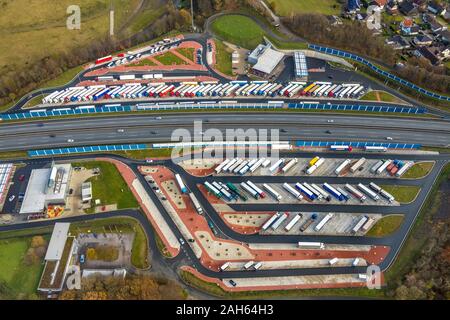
{"x": 147, "y": 128}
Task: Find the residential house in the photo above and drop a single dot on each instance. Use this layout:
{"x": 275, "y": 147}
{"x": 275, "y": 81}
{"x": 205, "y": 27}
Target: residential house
{"x": 392, "y": 8}
{"x": 398, "y": 42}
{"x": 422, "y": 40}
{"x": 379, "y": 3}
{"x": 444, "y": 37}
{"x": 407, "y": 8}
{"x": 436, "y": 8}
{"x": 429, "y": 53}
{"x": 408, "y": 28}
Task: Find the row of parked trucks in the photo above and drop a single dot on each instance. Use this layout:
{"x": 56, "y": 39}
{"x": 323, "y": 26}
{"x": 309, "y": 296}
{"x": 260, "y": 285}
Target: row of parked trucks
{"x": 123, "y": 58}
{"x": 364, "y": 223}
{"x": 183, "y": 89}
{"x": 393, "y": 167}
{"x": 350, "y": 148}
{"x": 312, "y": 191}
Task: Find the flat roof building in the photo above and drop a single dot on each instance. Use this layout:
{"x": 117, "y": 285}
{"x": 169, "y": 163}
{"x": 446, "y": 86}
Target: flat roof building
{"x": 46, "y": 186}
{"x": 301, "y": 68}
{"x": 86, "y": 191}
{"x": 57, "y": 259}
{"x": 268, "y": 61}
{"x": 57, "y": 241}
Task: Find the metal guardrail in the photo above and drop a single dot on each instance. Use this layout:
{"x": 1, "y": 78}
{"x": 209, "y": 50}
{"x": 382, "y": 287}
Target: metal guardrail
{"x": 86, "y": 149}
{"x": 356, "y": 144}
{"x": 357, "y": 107}
{"x": 354, "y": 57}
{"x": 63, "y": 112}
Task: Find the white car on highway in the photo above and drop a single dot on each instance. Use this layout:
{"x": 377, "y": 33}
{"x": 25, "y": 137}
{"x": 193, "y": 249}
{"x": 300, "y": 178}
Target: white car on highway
{"x": 70, "y": 140}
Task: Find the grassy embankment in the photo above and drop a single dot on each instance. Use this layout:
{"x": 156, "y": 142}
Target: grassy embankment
{"x": 385, "y": 226}
{"x": 402, "y": 194}
{"x": 287, "y": 7}
{"x": 109, "y": 186}
{"x": 244, "y": 32}
{"x": 418, "y": 170}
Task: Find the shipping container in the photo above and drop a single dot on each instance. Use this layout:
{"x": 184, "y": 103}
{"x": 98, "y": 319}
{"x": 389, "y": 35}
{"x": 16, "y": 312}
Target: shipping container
{"x": 293, "y": 222}
{"x": 369, "y": 192}
{"x": 305, "y": 191}
{"x": 180, "y": 183}
{"x": 355, "y": 192}
{"x": 357, "y": 165}
{"x": 359, "y": 224}
{"x": 257, "y": 189}
{"x": 311, "y": 245}
{"x": 252, "y": 192}
{"x": 297, "y": 195}
{"x": 271, "y": 220}
{"x": 272, "y": 192}
{"x": 196, "y": 203}
{"x": 342, "y": 166}
{"x": 322, "y": 222}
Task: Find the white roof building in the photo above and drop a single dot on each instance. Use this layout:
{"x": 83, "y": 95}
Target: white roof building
{"x": 268, "y": 61}
{"x": 57, "y": 241}
{"x": 46, "y": 186}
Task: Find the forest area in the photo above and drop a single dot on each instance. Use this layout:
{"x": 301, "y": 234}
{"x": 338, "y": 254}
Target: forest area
{"x": 132, "y": 287}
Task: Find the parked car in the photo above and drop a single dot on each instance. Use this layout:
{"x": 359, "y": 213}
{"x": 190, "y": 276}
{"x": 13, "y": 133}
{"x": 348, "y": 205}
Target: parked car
{"x": 21, "y": 177}
{"x": 232, "y": 283}
{"x": 12, "y": 198}
{"x": 181, "y": 241}
{"x": 82, "y": 258}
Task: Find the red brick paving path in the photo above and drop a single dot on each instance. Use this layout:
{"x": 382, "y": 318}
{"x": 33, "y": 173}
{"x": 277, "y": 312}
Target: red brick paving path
{"x": 274, "y": 287}
{"x": 195, "y": 222}
{"x": 129, "y": 176}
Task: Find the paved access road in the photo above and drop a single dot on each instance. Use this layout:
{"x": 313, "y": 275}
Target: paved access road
{"x": 188, "y": 257}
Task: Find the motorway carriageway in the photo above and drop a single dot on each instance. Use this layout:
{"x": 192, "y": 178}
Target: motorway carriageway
{"x": 145, "y": 128}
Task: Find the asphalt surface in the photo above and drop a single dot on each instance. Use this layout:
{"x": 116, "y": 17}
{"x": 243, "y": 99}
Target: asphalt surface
{"x": 293, "y": 126}
{"x": 188, "y": 257}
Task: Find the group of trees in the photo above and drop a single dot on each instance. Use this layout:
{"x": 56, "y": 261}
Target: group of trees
{"x": 429, "y": 277}
{"x": 349, "y": 36}
{"x": 36, "y": 251}
{"x": 355, "y": 37}
{"x": 17, "y": 82}
{"x": 134, "y": 287}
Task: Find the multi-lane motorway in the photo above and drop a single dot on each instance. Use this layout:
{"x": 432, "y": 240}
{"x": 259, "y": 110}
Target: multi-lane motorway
{"x": 293, "y": 126}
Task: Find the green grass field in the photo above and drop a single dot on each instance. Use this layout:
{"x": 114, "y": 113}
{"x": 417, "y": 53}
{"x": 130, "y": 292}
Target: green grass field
{"x": 22, "y": 280}
{"x": 402, "y": 194}
{"x": 419, "y": 170}
{"x": 109, "y": 185}
{"x": 143, "y": 62}
{"x": 187, "y": 52}
{"x": 169, "y": 59}
{"x": 385, "y": 226}
{"x": 286, "y": 7}
{"x": 239, "y": 30}
{"x": 223, "y": 58}
{"x": 40, "y": 30}
{"x": 380, "y": 96}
